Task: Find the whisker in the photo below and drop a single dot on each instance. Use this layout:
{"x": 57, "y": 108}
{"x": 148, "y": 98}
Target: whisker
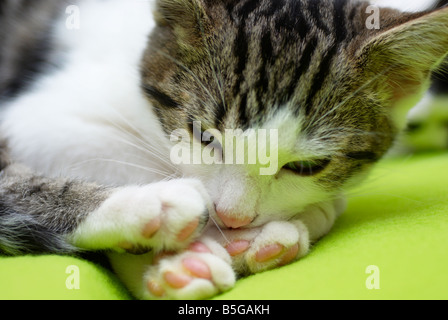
{"x": 150, "y": 152}
{"x": 220, "y": 231}
{"x": 174, "y": 172}
{"x": 145, "y": 145}
{"x": 152, "y": 170}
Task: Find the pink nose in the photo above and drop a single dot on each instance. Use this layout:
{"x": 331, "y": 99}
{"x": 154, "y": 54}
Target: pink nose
{"x": 233, "y": 222}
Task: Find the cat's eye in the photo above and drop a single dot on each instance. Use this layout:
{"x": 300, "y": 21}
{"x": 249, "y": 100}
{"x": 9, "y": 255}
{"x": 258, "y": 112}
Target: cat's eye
{"x": 308, "y": 167}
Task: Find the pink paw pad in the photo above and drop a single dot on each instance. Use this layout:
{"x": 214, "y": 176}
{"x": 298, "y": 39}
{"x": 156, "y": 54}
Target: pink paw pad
{"x": 290, "y": 255}
{"x": 155, "y": 289}
{"x": 197, "y": 268}
{"x": 176, "y": 280}
{"x": 233, "y": 222}
{"x": 188, "y": 230}
{"x": 269, "y": 252}
{"x": 151, "y": 228}
{"x": 237, "y": 247}
{"x": 199, "y": 247}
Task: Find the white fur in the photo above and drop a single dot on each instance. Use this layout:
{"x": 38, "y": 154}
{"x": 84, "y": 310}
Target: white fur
{"x": 122, "y": 217}
{"x": 87, "y": 112}
{"x": 405, "y": 5}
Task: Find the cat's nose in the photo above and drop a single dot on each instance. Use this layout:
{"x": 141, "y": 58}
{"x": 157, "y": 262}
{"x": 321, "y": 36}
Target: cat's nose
{"x": 233, "y": 222}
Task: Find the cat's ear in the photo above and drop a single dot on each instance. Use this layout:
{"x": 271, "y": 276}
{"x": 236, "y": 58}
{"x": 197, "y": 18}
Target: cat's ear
{"x": 186, "y": 18}
{"x": 400, "y": 59}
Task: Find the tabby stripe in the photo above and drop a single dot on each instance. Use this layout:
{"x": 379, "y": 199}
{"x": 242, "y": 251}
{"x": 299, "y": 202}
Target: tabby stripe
{"x": 195, "y": 128}
{"x": 267, "y": 52}
{"x": 301, "y": 25}
{"x": 229, "y": 8}
{"x": 314, "y": 8}
{"x": 241, "y": 41}
{"x": 293, "y": 18}
{"x": 324, "y": 68}
{"x": 162, "y": 98}
{"x": 302, "y": 67}
{"x": 242, "y": 112}
{"x": 320, "y": 77}
{"x": 249, "y": 7}
{"x": 190, "y": 123}
{"x": 240, "y": 51}
{"x": 363, "y": 155}
{"x": 275, "y": 6}
{"x": 339, "y": 20}
{"x": 351, "y": 18}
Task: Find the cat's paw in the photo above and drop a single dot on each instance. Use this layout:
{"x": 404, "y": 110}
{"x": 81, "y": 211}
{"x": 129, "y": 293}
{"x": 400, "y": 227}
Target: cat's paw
{"x": 275, "y": 244}
{"x": 188, "y": 275}
{"x": 161, "y": 216}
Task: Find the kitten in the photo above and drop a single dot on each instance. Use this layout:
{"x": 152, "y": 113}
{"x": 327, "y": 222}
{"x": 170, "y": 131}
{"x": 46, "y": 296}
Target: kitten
{"x": 93, "y": 92}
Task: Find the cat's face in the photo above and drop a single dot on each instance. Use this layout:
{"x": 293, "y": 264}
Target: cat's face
{"x": 311, "y": 73}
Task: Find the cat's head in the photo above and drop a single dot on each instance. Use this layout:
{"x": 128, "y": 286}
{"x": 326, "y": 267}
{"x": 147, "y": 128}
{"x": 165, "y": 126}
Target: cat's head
{"x": 317, "y": 75}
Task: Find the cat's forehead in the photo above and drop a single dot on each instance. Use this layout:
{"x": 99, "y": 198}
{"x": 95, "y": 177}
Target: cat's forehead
{"x": 289, "y": 19}
{"x": 277, "y": 54}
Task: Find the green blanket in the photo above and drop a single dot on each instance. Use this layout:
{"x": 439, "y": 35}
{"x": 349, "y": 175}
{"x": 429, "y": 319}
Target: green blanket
{"x": 390, "y": 244}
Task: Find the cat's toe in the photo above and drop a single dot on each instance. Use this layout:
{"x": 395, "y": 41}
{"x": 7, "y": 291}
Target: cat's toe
{"x": 278, "y": 254}
{"x": 279, "y": 243}
{"x": 269, "y": 252}
{"x": 151, "y": 228}
{"x": 176, "y": 280}
{"x": 197, "y": 268}
{"x": 155, "y": 289}
{"x": 290, "y": 255}
{"x": 185, "y": 212}
{"x": 237, "y": 247}
{"x": 189, "y": 229}
{"x": 199, "y": 247}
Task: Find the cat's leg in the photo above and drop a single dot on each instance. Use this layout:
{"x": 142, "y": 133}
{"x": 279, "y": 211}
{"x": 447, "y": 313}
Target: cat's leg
{"x": 39, "y": 214}
{"x": 163, "y": 215}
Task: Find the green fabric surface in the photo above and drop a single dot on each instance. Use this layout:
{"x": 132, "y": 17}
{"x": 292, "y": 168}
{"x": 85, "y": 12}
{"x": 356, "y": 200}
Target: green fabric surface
{"x": 397, "y": 221}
